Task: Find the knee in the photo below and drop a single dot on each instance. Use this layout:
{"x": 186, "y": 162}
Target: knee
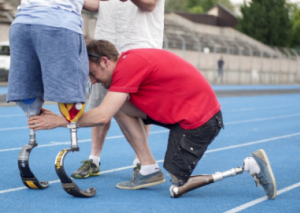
{"x": 119, "y": 115}
{"x": 177, "y": 181}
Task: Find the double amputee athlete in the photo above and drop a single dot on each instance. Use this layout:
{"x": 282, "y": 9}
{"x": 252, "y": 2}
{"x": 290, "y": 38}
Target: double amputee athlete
{"x": 48, "y": 62}
{"x": 164, "y": 90}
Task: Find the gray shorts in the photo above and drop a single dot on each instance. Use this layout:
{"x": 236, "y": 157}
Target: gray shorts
{"x": 98, "y": 93}
{"x": 47, "y": 62}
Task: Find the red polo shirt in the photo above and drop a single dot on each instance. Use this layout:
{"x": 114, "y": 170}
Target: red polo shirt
{"x": 164, "y": 86}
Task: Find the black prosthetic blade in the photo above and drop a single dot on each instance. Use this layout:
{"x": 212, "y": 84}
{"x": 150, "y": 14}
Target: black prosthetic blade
{"x": 27, "y": 176}
{"x": 67, "y": 183}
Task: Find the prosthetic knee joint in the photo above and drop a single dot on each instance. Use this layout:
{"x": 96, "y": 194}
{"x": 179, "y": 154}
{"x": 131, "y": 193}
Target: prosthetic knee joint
{"x": 71, "y": 112}
{"x": 31, "y": 107}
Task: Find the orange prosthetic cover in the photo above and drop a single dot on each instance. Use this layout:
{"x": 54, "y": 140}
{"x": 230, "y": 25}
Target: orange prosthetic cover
{"x": 71, "y": 112}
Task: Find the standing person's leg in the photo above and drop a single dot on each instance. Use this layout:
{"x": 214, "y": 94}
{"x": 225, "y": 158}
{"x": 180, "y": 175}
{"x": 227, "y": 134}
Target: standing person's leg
{"x": 135, "y": 134}
{"x": 136, "y": 161}
{"x": 91, "y": 167}
{"x": 131, "y": 128}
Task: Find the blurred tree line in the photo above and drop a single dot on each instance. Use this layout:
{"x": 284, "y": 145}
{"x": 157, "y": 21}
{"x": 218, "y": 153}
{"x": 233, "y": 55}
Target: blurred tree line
{"x": 273, "y": 22}
{"x": 196, "y": 6}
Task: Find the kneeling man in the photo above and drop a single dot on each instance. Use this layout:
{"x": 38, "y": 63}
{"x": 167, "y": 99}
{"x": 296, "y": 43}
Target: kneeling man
{"x": 161, "y": 88}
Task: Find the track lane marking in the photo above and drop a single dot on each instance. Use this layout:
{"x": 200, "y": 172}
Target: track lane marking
{"x": 53, "y": 143}
{"x": 224, "y": 110}
{"x": 159, "y": 161}
{"x": 259, "y": 200}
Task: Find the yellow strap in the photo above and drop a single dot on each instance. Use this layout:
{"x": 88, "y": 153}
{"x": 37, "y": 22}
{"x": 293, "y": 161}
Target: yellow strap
{"x": 31, "y": 184}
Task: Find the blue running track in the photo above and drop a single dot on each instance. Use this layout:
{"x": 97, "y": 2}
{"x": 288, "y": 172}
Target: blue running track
{"x": 269, "y": 122}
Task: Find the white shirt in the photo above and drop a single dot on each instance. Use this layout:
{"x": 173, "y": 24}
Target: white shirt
{"x": 128, "y": 27}
{"x": 54, "y": 13}
{"x": 68, "y": 5}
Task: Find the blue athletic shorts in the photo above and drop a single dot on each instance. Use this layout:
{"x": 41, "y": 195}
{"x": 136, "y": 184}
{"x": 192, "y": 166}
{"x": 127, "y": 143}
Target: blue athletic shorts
{"x": 47, "y": 62}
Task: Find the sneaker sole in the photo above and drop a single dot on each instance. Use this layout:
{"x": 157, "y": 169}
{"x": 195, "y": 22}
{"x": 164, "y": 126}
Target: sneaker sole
{"x": 271, "y": 172}
{"x": 83, "y": 177}
{"x": 142, "y": 186}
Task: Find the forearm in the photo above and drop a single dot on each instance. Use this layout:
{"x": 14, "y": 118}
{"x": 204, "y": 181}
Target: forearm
{"x": 145, "y": 5}
{"x": 93, "y": 118}
{"x": 91, "y": 5}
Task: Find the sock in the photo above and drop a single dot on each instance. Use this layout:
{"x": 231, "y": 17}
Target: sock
{"x": 149, "y": 169}
{"x": 251, "y": 166}
{"x": 136, "y": 161}
{"x": 96, "y": 159}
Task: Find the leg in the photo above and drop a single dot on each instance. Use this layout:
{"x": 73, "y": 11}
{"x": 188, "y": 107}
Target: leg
{"x": 98, "y": 137}
{"x": 257, "y": 164}
{"x": 91, "y": 167}
{"x": 71, "y": 112}
{"x": 185, "y": 149}
{"x": 147, "y": 128}
{"x": 136, "y": 136}
{"x": 30, "y": 107}
{"x": 149, "y": 173}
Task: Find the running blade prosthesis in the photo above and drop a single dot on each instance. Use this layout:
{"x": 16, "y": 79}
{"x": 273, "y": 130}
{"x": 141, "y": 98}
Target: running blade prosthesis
{"x": 27, "y": 176}
{"x": 71, "y": 112}
{"x": 30, "y": 107}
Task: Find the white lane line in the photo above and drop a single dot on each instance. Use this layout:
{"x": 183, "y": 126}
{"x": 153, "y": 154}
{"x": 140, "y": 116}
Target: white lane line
{"x": 259, "y": 200}
{"x": 260, "y": 108}
{"x": 223, "y": 110}
{"x": 159, "y": 161}
{"x": 253, "y": 142}
{"x": 262, "y": 119}
{"x": 14, "y": 128}
{"x": 227, "y": 123}
{"x": 16, "y": 115}
{"x": 53, "y": 143}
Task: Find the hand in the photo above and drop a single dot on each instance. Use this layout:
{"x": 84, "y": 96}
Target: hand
{"x": 47, "y": 120}
{"x": 47, "y": 112}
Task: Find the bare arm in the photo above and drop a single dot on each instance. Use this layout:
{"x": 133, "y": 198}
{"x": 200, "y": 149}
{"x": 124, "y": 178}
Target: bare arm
{"x": 132, "y": 111}
{"x": 110, "y": 105}
{"x": 91, "y": 5}
{"x": 145, "y": 5}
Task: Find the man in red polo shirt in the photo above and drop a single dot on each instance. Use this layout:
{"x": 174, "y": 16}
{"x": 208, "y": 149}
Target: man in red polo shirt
{"x": 166, "y": 90}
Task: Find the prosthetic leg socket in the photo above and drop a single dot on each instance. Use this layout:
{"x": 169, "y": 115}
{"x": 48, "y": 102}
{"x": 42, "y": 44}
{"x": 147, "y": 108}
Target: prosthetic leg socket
{"x": 198, "y": 181}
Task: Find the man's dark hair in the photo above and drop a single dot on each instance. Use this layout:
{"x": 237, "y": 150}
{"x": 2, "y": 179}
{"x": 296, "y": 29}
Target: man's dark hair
{"x": 98, "y": 48}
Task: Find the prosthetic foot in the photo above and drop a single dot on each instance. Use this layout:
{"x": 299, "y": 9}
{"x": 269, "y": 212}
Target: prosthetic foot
{"x": 198, "y": 181}
{"x": 31, "y": 107}
{"x": 71, "y": 112}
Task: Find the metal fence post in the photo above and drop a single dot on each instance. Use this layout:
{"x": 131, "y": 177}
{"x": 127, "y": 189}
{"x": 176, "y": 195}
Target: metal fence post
{"x": 251, "y": 62}
{"x": 289, "y": 67}
{"x": 166, "y": 42}
{"x": 298, "y": 65}
{"x": 198, "y": 50}
{"x": 240, "y": 60}
{"x": 183, "y": 44}
{"x": 261, "y": 65}
{"x": 280, "y": 55}
{"x": 271, "y": 77}
{"x": 227, "y": 59}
